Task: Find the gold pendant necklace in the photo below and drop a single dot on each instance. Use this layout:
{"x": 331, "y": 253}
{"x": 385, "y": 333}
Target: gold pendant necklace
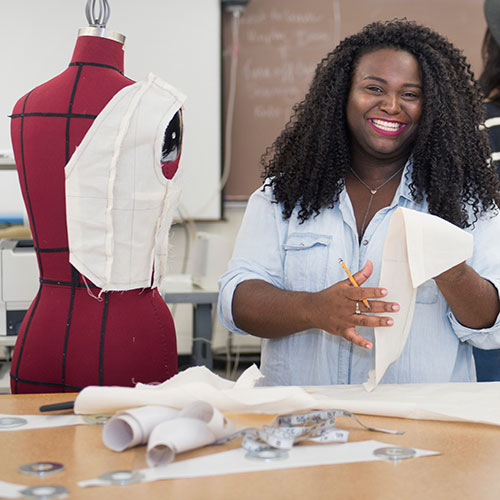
{"x": 373, "y": 192}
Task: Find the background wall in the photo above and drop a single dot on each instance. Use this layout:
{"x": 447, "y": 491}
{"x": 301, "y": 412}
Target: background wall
{"x": 282, "y": 41}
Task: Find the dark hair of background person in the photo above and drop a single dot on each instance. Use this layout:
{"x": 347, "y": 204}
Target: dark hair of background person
{"x": 308, "y": 162}
{"x": 490, "y": 77}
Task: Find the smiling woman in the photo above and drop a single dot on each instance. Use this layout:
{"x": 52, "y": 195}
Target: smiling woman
{"x": 391, "y": 120}
{"x": 383, "y": 113}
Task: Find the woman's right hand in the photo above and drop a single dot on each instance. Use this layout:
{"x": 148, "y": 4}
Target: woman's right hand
{"x": 339, "y": 309}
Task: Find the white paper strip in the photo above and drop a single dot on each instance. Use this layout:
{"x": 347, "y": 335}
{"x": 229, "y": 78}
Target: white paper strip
{"x": 43, "y": 421}
{"x": 235, "y": 461}
{"x": 11, "y": 490}
{"x": 418, "y": 247}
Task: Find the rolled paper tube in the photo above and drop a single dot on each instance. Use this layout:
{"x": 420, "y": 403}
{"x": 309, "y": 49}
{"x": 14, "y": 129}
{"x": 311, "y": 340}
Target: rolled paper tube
{"x": 217, "y": 423}
{"x": 133, "y": 427}
{"x": 175, "y": 436}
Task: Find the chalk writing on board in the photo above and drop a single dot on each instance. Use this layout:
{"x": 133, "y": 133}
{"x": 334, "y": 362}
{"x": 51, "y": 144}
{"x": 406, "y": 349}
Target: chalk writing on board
{"x": 280, "y": 49}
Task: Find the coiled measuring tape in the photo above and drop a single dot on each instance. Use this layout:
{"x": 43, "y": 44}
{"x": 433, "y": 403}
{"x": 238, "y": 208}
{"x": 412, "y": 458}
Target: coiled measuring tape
{"x": 271, "y": 441}
{"x": 321, "y": 415}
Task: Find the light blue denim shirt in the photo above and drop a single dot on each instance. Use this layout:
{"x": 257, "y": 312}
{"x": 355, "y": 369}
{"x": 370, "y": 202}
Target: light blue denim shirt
{"x": 304, "y": 257}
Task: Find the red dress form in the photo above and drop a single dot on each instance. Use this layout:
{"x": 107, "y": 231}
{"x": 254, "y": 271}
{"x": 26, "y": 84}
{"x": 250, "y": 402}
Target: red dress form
{"x": 68, "y": 338}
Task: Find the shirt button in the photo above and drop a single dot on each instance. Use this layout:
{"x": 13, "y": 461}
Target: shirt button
{"x": 365, "y": 242}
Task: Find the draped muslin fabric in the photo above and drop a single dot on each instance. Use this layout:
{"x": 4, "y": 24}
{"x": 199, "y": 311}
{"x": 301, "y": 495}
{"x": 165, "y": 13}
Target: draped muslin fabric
{"x": 119, "y": 205}
{"x": 440, "y": 401}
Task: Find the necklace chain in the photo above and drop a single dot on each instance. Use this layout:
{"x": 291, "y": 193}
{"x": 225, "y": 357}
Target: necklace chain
{"x": 373, "y": 192}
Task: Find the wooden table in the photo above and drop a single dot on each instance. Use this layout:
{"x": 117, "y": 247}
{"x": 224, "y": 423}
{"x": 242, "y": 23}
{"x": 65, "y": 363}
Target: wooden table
{"x": 469, "y": 467}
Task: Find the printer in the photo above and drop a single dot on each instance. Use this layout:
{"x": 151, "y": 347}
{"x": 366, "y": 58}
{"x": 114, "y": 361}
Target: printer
{"x": 19, "y": 282}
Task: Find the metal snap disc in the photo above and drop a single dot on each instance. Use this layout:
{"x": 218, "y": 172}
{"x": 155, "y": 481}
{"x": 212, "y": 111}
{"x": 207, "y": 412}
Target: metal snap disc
{"x": 96, "y": 419}
{"x": 12, "y": 422}
{"x": 41, "y": 468}
{"x": 395, "y": 453}
{"x": 267, "y": 454}
{"x": 122, "y": 477}
{"x": 44, "y": 492}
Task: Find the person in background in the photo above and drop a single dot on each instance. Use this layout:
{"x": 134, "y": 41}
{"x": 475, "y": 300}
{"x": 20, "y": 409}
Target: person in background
{"x": 392, "y": 119}
{"x": 488, "y": 362}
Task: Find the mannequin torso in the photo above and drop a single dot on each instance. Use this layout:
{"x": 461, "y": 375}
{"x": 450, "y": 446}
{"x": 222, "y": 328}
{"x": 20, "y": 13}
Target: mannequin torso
{"x": 69, "y": 339}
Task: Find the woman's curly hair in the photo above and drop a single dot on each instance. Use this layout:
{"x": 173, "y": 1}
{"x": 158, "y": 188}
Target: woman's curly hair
{"x": 308, "y": 163}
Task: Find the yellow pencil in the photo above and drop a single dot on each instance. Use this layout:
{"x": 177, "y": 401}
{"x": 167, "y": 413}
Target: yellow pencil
{"x": 353, "y": 281}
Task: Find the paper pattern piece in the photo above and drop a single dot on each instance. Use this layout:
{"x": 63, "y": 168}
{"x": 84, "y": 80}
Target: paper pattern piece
{"x": 43, "y": 421}
{"x": 418, "y": 247}
{"x": 11, "y": 490}
{"x": 41, "y": 491}
{"x": 467, "y": 401}
{"x": 235, "y": 461}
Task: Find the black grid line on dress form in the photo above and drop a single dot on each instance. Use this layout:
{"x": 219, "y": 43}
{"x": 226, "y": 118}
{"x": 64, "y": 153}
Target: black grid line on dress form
{"x": 39, "y": 383}
{"x": 52, "y": 250}
{"x": 70, "y": 109}
{"x": 66, "y": 333}
{"x": 52, "y": 115}
{"x": 99, "y": 65}
{"x": 68, "y": 283}
{"x": 103, "y": 332}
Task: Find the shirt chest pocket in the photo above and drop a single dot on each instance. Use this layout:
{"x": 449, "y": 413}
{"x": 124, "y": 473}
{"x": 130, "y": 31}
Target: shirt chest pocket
{"x": 306, "y": 261}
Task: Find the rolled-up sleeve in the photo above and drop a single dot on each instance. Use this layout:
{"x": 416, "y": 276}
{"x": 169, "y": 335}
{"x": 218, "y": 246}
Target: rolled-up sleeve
{"x": 486, "y": 262}
{"x": 257, "y": 253}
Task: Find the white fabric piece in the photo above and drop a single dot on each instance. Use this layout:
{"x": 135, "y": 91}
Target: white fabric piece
{"x": 119, "y": 205}
{"x": 44, "y": 421}
{"x": 133, "y": 427}
{"x": 198, "y": 425}
{"x": 418, "y": 401}
{"x": 418, "y": 247}
{"x": 235, "y": 461}
{"x": 202, "y": 374}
